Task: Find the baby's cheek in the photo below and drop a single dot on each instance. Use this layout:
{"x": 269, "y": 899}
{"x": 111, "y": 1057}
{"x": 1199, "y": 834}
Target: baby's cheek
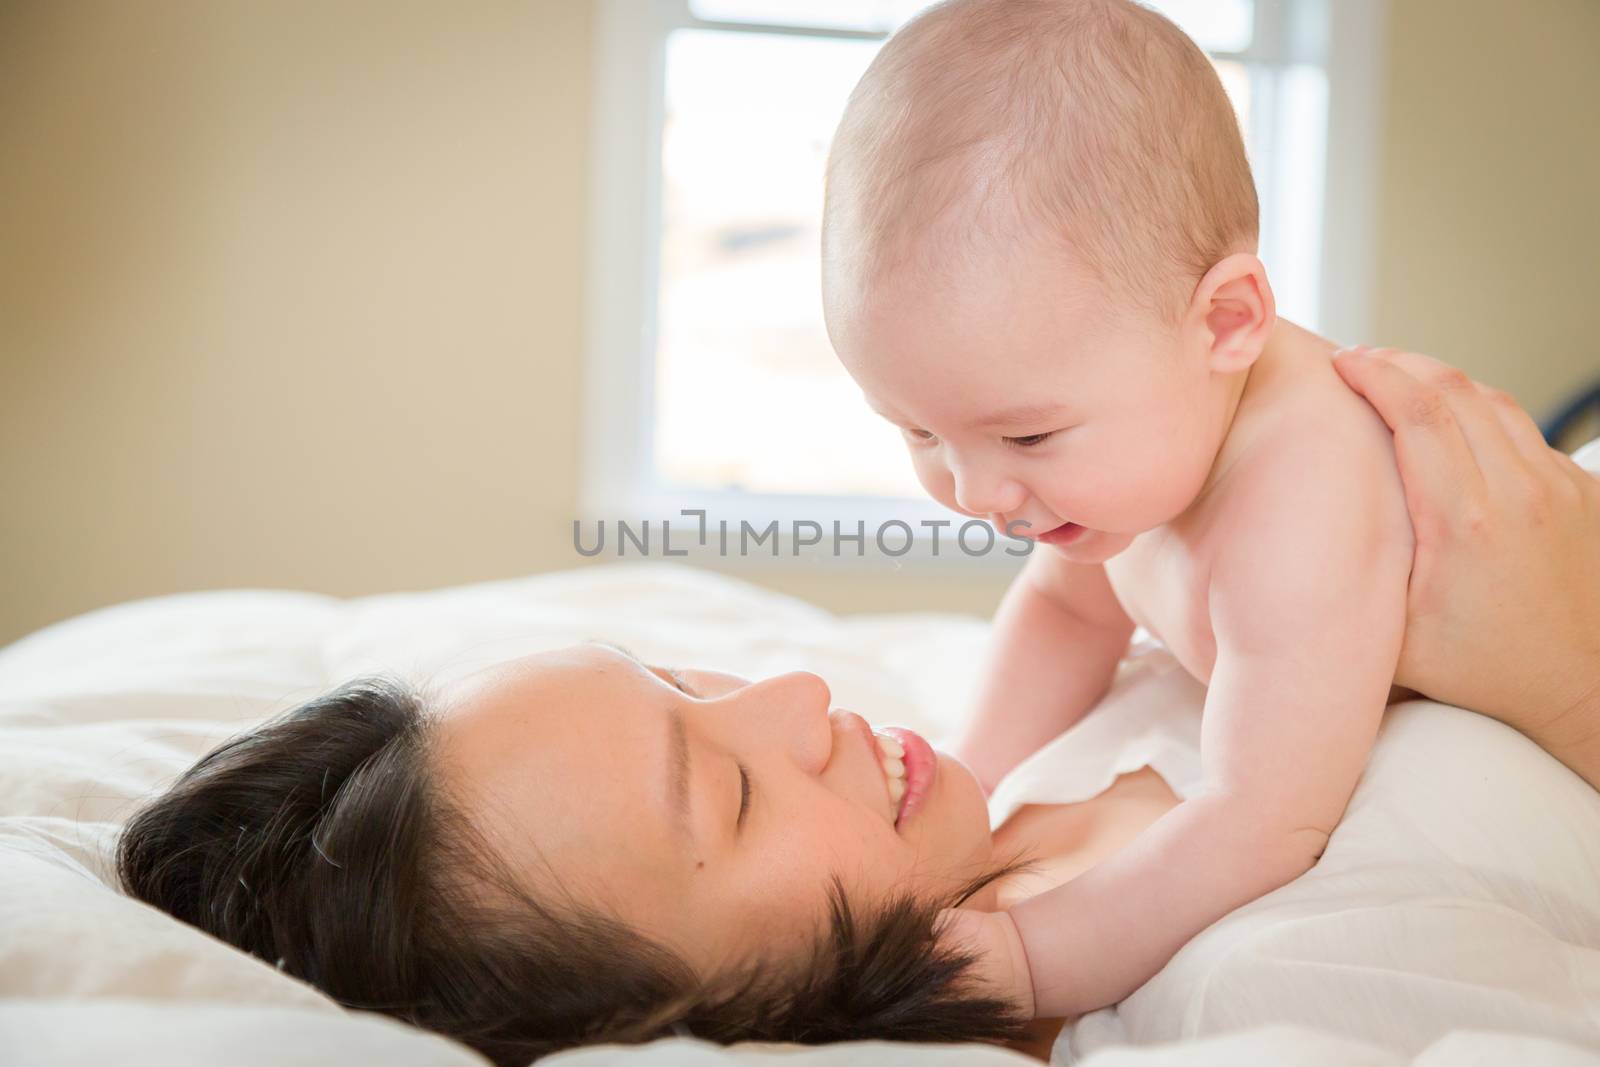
{"x": 1073, "y": 487}
{"x": 1154, "y": 485}
{"x": 935, "y": 478}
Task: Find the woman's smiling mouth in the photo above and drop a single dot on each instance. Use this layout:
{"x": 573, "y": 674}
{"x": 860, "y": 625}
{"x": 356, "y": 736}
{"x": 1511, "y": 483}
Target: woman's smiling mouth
{"x": 921, "y": 768}
{"x": 890, "y": 753}
{"x": 908, "y": 763}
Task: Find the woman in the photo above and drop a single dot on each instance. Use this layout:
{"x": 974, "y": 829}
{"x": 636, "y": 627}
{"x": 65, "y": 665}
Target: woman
{"x": 539, "y": 857}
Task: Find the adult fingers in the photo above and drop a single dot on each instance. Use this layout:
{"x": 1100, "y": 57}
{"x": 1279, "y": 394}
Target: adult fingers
{"x": 1499, "y": 456}
{"x": 1543, "y": 461}
{"x": 1518, "y": 425}
{"x": 1584, "y": 475}
{"x": 1436, "y": 464}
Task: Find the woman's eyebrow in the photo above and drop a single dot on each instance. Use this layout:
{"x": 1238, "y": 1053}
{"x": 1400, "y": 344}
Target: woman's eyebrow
{"x": 678, "y": 779}
{"x": 678, "y": 759}
{"x": 613, "y": 646}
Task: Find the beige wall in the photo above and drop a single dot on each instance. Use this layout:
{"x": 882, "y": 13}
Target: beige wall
{"x": 290, "y": 292}
{"x": 1490, "y": 247}
{"x": 293, "y": 294}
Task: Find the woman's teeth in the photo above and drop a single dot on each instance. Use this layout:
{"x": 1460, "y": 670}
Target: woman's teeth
{"x": 890, "y": 753}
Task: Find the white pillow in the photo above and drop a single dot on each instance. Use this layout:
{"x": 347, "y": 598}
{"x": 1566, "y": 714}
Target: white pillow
{"x": 1461, "y": 890}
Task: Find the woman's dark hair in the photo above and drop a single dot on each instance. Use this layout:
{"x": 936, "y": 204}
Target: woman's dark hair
{"x": 319, "y": 842}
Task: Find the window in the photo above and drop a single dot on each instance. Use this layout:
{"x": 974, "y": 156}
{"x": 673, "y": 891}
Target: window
{"x": 711, "y": 383}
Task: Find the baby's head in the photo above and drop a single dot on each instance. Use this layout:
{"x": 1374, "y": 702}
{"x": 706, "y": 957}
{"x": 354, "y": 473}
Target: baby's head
{"x": 1038, "y": 260}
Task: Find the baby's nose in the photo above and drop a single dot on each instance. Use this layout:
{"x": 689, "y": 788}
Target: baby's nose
{"x": 986, "y": 495}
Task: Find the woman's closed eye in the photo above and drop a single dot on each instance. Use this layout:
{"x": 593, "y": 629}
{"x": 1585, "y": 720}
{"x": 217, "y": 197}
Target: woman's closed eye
{"x": 744, "y": 797}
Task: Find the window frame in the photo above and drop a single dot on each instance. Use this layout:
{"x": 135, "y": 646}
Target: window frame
{"x": 624, "y": 219}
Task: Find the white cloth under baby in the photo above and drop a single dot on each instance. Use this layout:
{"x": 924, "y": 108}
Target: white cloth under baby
{"x": 1462, "y": 889}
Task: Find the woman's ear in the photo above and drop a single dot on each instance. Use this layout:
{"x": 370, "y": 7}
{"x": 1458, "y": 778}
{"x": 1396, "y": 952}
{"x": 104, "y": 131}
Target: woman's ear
{"x": 1233, "y": 312}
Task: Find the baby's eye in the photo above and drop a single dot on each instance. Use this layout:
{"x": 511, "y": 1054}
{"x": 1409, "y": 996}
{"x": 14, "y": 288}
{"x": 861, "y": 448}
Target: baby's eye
{"x": 919, "y": 435}
{"x": 1030, "y": 440}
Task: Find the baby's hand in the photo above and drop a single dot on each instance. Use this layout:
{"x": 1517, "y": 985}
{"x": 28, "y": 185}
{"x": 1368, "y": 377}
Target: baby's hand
{"x": 1002, "y": 965}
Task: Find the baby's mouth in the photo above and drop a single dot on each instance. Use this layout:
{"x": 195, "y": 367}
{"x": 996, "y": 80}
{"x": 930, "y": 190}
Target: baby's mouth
{"x": 1066, "y": 533}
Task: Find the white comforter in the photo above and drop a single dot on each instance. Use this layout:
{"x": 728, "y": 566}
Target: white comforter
{"x": 98, "y": 711}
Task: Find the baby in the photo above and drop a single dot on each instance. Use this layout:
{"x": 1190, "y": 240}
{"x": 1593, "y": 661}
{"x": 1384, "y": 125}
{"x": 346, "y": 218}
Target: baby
{"x": 1038, "y": 262}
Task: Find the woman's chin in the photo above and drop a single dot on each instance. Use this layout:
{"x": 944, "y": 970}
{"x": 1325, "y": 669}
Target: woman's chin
{"x": 963, "y": 809}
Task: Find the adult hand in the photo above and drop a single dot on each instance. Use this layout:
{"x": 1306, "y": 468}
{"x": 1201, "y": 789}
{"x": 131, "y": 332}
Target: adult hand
{"x": 1504, "y": 600}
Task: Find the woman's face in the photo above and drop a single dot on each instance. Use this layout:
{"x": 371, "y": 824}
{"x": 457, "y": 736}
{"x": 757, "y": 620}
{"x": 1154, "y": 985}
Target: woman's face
{"x": 565, "y": 761}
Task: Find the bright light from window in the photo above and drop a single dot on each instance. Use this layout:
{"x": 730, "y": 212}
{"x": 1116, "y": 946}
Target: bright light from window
{"x": 748, "y": 392}
{"x": 1216, "y": 25}
{"x": 879, "y": 15}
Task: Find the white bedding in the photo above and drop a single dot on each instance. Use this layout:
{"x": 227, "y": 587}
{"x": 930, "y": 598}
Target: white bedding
{"x": 1459, "y": 890}
{"x": 98, "y": 711}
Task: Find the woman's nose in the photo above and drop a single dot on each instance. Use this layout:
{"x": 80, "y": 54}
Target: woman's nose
{"x": 791, "y": 710}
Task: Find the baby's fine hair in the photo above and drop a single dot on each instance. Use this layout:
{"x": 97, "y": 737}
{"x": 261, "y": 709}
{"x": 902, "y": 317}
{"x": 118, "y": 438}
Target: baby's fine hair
{"x": 1097, "y": 124}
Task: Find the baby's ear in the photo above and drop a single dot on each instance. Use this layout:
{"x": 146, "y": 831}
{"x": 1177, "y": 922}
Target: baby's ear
{"x": 1235, "y": 306}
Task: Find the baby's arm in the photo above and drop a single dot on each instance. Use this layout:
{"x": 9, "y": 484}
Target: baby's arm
{"x": 1058, "y": 636}
{"x": 1308, "y": 607}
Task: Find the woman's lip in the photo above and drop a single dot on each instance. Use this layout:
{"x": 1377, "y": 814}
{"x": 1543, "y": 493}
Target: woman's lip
{"x": 868, "y": 738}
{"x": 1066, "y": 533}
{"x": 922, "y": 767}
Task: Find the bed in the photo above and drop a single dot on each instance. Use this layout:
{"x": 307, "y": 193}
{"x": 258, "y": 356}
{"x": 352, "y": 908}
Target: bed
{"x": 99, "y": 711}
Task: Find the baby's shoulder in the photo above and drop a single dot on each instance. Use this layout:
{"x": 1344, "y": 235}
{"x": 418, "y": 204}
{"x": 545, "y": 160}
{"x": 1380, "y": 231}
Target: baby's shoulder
{"x": 1309, "y": 402}
{"x": 1314, "y": 427}
{"x": 1314, "y": 457}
